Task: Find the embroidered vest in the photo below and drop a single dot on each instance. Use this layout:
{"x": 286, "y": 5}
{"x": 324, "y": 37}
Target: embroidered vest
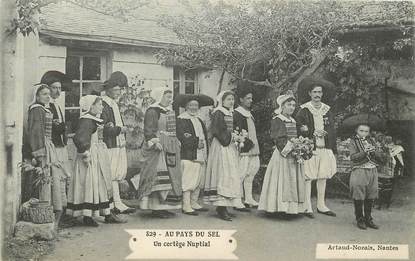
{"x": 229, "y": 122}
{"x": 100, "y": 133}
{"x": 291, "y": 129}
{"x": 48, "y": 125}
{"x": 167, "y": 123}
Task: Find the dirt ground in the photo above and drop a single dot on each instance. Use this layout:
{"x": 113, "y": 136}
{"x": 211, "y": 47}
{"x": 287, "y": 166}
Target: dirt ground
{"x": 258, "y": 237}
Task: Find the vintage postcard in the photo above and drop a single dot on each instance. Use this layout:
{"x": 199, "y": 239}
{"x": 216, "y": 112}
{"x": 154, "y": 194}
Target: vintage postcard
{"x": 207, "y": 130}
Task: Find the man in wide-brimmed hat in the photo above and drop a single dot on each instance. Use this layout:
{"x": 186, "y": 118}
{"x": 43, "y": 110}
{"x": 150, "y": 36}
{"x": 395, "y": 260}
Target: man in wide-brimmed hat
{"x": 315, "y": 121}
{"x": 243, "y": 122}
{"x": 114, "y": 135}
{"x": 192, "y": 133}
{"x": 54, "y": 80}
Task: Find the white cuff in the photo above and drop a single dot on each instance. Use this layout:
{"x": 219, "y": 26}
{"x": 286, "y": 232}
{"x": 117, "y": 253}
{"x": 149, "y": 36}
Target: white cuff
{"x": 152, "y": 141}
{"x": 287, "y": 149}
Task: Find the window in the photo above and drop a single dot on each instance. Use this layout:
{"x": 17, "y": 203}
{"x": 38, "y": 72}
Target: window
{"x": 184, "y": 81}
{"x": 88, "y": 71}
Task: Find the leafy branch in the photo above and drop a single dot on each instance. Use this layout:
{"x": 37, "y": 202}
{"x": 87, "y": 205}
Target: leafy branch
{"x": 26, "y": 20}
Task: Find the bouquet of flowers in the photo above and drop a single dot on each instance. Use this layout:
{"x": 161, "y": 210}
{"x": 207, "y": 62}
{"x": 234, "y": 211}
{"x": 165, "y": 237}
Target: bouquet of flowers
{"x": 239, "y": 138}
{"x": 302, "y": 149}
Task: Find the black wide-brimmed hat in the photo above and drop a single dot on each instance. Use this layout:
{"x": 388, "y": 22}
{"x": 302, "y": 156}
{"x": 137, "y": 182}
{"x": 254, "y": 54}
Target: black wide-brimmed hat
{"x": 242, "y": 91}
{"x": 350, "y": 123}
{"x": 116, "y": 79}
{"x": 182, "y": 99}
{"x": 309, "y": 82}
{"x": 243, "y": 88}
{"x": 50, "y": 77}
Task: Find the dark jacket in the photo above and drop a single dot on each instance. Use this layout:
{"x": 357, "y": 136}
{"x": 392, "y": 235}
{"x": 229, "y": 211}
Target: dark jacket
{"x": 305, "y": 117}
{"x": 36, "y": 126}
{"x": 240, "y": 123}
{"x": 59, "y": 137}
{"x": 82, "y": 138}
{"x": 110, "y": 132}
{"x": 219, "y": 129}
{"x": 188, "y": 150}
{"x": 278, "y": 133}
{"x": 151, "y": 121}
{"x": 359, "y": 156}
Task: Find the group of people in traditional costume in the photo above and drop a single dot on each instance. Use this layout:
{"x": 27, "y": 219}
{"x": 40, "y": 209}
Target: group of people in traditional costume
{"x": 185, "y": 164}
{"x": 101, "y": 161}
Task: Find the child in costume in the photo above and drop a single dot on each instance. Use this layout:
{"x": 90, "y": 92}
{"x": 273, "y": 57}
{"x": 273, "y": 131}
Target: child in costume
{"x": 365, "y": 158}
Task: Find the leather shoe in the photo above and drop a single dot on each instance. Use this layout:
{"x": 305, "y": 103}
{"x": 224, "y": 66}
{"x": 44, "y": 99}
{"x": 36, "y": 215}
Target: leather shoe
{"x": 128, "y": 211}
{"x": 168, "y": 213}
{"x": 90, "y": 222}
{"x": 328, "y": 213}
{"x": 309, "y": 214}
{"x": 114, "y": 219}
{"x": 190, "y": 213}
{"x": 159, "y": 214}
{"x": 369, "y": 223}
{"x": 223, "y": 214}
{"x": 361, "y": 224}
{"x": 250, "y": 205}
{"x": 243, "y": 209}
{"x": 202, "y": 209}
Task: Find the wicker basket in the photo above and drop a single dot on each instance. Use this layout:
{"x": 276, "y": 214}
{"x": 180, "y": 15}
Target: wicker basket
{"x": 38, "y": 213}
{"x": 25, "y": 215}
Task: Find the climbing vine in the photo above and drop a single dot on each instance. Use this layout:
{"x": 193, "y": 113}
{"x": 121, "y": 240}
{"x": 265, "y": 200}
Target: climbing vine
{"x": 26, "y": 21}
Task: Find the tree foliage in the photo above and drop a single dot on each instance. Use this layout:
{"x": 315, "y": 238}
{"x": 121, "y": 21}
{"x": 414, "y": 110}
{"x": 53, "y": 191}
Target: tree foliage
{"x": 26, "y": 20}
{"x": 268, "y": 42}
{"x": 276, "y": 43}
{"x": 361, "y": 71}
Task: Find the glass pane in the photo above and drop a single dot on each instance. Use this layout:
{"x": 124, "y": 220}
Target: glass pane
{"x": 94, "y": 88}
{"x": 91, "y": 68}
{"x": 176, "y": 73}
{"x": 71, "y": 119}
{"x": 190, "y": 75}
{"x": 176, "y": 88}
{"x": 73, "y": 67}
{"x": 189, "y": 88}
{"x": 72, "y": 95}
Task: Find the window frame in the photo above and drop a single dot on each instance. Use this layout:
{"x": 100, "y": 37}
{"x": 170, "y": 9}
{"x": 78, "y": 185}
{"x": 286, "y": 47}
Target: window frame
{"x": 182, "y": 80}
{"x": 80, "y": 54}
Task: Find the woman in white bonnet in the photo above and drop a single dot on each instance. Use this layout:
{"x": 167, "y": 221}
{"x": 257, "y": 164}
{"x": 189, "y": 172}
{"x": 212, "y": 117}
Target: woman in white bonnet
{"x": 160, "y": 179}
{"x": 222, "y": 182}
{"x": 283, "y": 189}
{"x": 90, "y": 192}
{"x": 41, "y": 150}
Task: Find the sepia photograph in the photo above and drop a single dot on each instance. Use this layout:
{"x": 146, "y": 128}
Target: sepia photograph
{"x": 249, "y": 130}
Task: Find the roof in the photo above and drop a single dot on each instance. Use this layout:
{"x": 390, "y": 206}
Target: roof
{"x": 406, "y": 86}
{"x": 372, "y": 13}
{"x": 64, "y": 20}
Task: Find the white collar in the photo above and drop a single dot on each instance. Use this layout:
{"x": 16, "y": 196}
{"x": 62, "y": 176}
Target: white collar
{"x": 39, "y": 105}
{"x": 396, "y": 149}
{"x": 284, "y": 118}
{"x": 244, "y": 112}
{"x": 186, "y": 115}
{"x": 109, "y": 100}
{"x": 157, "y": 105}
{"x": 224, "y": 110}
{"x": 322, "y": 111}
{"x": 91, "y": 117}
